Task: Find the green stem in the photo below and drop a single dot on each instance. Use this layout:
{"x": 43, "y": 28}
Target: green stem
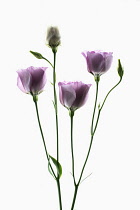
{"x": 91, "y": 141}
{"x": 55, "y": 105}
{"x": 110, "y": 92}
{"x": 59, "y": 193}
{"x": 93, "y": 116}
{"x": 48, "y": 61}
{"x": 72, "y": 152}
{"x": 97, "y": 85}
{"x": 74, "y": 197}
{"x": 37, "y": 112}
{"x": 77, "y": 185}
{"x": 93, "y": 131}
{"x": 57, "y": 133}
{"x": 92, "y": 134}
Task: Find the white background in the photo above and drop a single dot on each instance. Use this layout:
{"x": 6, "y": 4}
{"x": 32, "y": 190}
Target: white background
{"x": 25, "y": 183}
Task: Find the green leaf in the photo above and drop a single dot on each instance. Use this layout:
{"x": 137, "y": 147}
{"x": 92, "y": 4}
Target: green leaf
{"x": 120, "y": 69}
{"x": 37, "y": 55}
{"x": 57, "y": 165}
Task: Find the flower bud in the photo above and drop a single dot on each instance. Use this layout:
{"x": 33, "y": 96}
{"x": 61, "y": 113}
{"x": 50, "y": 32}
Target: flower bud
{"x": 37, "y": 55}
{"x": 120, "y": 69}
{"x": 53, "y": 37}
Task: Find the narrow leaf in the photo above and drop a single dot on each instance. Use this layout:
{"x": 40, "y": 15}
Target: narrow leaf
{"x": 57, "y": 165}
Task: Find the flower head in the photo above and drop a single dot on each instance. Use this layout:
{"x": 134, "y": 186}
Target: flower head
{"x": 73, "y": 95}
{"x": 98, "y": 62}
{"x": 53, "y": 37}
{"x": 32, "y": 80}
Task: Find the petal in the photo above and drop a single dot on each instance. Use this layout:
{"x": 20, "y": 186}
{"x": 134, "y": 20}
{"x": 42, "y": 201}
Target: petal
{"x": 67, "y": 94}
{"x": 108, "y": 61}
{"x": 24, "y": 80}
{"x": 38, "y": 78}
{"x": 81, "y": 94}
{"x": 95, "y": 62}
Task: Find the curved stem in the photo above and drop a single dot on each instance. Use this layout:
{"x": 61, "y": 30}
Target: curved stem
{"x": 37, "y": 112}
{"x": 48, "y": 61}
{"x": 110, "y": 92}
{"x": 92, "y": 132}
{"x": 93, "y": 116}
{"x": 92, "y": 135}
{"x": 91, "y": 141}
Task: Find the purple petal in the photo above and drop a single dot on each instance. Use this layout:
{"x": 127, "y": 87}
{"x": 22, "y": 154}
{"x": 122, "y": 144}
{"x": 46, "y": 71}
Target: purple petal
{"x": 38, "y": 78}
{"x": 81, "y": 94}
{"x": 32, "y": 80}
{"x": 67, "y": 94}
{"x": 24, "y": 80}
{"x": 73, "y": 95}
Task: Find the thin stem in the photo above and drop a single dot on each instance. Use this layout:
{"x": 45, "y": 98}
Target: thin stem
{"x": 97, "y": 82}
{"x": 37, "y": 112}
{"x": 74, "y": 197}
{"x": 110, "y": 92}
{"x": 55, "y": 105}
{"x": 91, "y": 141}
{"x": 72, "y": 151}
{"x": 57, "y": 133}
{"x": 93, "y": 132}
{"x": 93, "y": 116}
{"x": 92, "y": 135}
{"x": 48, "y": 61}
{"x": 59, "y": 193}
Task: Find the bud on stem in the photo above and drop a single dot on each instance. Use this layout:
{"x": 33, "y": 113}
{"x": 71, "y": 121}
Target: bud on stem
{"x": 53, "y": 38}
{"x": 120, "y": 69}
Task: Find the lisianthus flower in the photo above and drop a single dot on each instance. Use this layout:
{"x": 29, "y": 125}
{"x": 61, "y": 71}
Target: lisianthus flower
{"x": 32, "y": 80}
{"x": 73, "y": 95}
{"x": 98, "y": 62}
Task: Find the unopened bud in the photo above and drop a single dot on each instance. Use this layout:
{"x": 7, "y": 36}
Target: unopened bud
{"x": 37, "y": 55}
{"x": 53, "y": 37}
{"x": 120, "y": 69}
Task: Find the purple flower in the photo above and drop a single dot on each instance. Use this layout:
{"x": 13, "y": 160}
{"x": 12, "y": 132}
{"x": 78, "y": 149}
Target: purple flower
{"x": 73, "y": 95}
{"x": 98, "y": 62}
{"x": 32, "y": 80}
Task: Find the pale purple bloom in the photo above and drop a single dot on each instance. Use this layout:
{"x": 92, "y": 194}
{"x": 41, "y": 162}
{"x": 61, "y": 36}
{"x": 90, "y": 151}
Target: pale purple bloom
{"x": 32, "y": 80}
{"x": 73, "y": 95}
{"x": 98, "y": 62}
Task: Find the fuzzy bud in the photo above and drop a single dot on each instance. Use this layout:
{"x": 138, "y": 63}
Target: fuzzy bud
{"x": 53, "y": 37}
